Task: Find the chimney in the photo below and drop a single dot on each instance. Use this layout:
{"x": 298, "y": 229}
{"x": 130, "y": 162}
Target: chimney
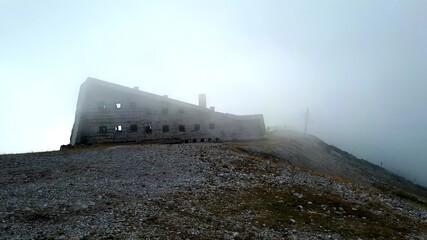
{"x": 212, "y": 108}
{"x": 202, "y": 100}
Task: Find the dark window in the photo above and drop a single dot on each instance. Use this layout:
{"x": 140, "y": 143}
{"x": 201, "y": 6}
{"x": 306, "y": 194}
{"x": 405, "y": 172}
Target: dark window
{"x": 102, "y": 129}
{"x": 181, "y": 128}
{"x": 216, "y": 139}
{"x": 209, "y": 139}
{"x": 148, "y": 129}
{"x": 84, "y": 140}
{"x": 186, "y": 141}
{"x": 165, "y": 128}
{"x": 202, "y": 140}
{"x": 194, "y": 140}
{"x": 133, "y": 128}
{"x": 164, "y": 111}
{"x": 196, "y": 127}
{"x": 132, "y": 105}
{"x": 118, "y": 105}
{"x": 211, "y": 125}
{"x": 181, "y": 111}
{"x": 118, "y": 128}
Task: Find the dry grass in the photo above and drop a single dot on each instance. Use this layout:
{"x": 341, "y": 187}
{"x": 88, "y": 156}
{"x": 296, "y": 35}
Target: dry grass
{"x": 275, "y": 206}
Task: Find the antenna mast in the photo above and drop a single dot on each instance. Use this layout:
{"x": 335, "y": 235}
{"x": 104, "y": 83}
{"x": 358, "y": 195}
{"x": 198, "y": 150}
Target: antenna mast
{"x": 307, "y": 113}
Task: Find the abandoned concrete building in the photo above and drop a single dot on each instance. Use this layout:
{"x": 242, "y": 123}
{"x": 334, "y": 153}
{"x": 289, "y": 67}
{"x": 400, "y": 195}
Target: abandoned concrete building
{"x": 108, "y": 112}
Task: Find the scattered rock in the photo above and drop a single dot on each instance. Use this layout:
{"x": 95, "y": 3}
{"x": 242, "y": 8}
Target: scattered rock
{"x": 174, "y": 191}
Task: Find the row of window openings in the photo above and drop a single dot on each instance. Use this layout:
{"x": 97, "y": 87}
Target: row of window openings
{"x": 148, "y": 129}
{"x": 133, "y": 105}
{"x": 102, "y": 105}
{"x": 201, "y": 140}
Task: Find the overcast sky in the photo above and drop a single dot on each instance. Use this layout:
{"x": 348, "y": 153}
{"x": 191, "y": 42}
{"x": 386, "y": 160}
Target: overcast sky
{"x": 360, "y": 66}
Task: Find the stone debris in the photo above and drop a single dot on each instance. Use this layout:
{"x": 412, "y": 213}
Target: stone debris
{"x": 185, "y": 191}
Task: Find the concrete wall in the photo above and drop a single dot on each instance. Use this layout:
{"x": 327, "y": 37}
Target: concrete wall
{"x": 117, "y": 110}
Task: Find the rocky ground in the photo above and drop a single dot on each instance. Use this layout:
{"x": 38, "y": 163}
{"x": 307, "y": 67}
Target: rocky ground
{"x": 192, "y": 191}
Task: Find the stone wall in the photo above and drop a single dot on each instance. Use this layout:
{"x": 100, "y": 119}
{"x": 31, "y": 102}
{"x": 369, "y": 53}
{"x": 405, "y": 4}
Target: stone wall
{"x": 108, "y": 112}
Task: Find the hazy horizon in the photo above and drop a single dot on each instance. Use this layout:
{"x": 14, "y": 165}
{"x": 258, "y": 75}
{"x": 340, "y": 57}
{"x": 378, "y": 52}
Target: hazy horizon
{"x": 358, "y": 65}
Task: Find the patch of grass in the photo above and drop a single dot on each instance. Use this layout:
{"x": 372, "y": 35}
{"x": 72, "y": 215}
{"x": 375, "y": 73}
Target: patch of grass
{"x": 410, "y": 197}
{"x": 265, "y": 153}
{"x": 274, "y": 207}
{"x": 407, "y": 194}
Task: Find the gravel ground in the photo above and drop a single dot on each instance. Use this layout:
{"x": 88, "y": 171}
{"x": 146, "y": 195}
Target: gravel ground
{"x": 189, "y": 191}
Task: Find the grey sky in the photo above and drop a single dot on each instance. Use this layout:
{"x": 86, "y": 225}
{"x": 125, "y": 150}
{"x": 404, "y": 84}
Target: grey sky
{"x": 360, "y": 66}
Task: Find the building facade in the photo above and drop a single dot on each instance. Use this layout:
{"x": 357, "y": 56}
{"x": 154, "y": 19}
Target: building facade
{"x": 108, "y": 113}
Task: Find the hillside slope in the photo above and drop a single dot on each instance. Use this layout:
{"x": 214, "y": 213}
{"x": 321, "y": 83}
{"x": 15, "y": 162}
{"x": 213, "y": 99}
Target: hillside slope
{"x": 277, "y": 188}
{"x": 310, "y": 153}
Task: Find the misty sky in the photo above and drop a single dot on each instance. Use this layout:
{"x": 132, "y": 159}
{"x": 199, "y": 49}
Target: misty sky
{"x": 360, "y": 66}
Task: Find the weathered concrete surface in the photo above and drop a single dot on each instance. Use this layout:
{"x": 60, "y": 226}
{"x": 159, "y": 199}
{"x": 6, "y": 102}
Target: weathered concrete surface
{"x": 107, "y": 112}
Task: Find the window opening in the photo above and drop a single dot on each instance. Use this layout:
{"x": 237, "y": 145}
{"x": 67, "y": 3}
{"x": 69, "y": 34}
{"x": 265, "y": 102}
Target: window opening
{"x": 165, "y": 128}
{"x": 194, "y": 140}
{"x": 102, "y": 129}
{"x": 181, "y": 128}
{"x": 133, "y": 128}
{"x": 118, "y": 128}
{"x": 148, "y": 129}
{"x": 101, "y": 105}
{"x": 118, "y": 105}
{"x": 84, "y": 140}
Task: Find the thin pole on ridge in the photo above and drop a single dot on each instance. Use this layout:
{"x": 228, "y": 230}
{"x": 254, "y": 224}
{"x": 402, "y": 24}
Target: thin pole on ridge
{"x": 306, "y": 115}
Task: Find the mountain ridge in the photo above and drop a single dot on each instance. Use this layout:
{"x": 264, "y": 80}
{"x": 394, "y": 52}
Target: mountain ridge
{"x": 286, "y": 186}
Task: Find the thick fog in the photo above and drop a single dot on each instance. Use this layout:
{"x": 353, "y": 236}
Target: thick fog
{"x": 359, "y": 66}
